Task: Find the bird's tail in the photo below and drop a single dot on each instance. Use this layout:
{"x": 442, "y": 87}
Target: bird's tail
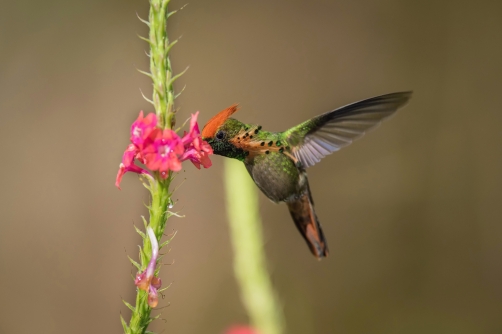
{"x": 302, "y": 212}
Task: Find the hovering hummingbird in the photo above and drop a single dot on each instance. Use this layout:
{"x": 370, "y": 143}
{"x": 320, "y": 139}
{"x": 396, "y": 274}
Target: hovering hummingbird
{"x": 277, "y": 161}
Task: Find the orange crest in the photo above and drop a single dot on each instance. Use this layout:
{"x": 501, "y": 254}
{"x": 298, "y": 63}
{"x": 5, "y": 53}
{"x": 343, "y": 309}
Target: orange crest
{"x": 214, "y": 123}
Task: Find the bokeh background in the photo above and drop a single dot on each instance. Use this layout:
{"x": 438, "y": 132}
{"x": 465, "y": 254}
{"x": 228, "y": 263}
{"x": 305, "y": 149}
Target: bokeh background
{"x": 412, "y": 211}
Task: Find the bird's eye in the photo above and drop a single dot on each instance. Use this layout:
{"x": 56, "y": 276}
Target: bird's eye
{"x": 220, "y": 135}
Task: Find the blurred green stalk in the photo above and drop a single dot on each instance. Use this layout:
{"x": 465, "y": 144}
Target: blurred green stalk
{"x": 250, "y": 267}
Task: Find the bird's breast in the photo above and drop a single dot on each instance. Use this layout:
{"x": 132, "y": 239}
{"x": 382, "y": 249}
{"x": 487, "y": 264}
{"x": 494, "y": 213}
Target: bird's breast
{"x": 276, "y": 175}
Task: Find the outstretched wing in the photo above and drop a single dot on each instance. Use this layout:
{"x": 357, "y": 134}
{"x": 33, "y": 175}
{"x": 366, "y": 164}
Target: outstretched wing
{"x": 322, "y": 135}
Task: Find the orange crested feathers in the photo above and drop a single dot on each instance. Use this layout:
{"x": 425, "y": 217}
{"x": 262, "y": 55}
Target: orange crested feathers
{"x": 214, "y": 123}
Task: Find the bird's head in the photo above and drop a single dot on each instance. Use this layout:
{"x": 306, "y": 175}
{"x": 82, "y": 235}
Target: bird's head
{"x": 219, "y": 132}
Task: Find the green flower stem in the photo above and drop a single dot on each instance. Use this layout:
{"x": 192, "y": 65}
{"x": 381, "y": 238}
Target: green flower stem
{"x": 161, "y": 199}
{"x": 160, "y": 65}
{"x": 140, "y": 318}
{"x": 163, "y": 101}
{"x": 250, "y": 266}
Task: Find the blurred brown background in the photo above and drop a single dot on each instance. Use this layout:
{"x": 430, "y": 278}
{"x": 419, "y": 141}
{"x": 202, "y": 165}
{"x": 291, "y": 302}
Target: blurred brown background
{"x": 412, "y": 211}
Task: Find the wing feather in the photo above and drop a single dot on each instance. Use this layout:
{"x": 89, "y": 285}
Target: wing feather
{"x": 327, "y": 133}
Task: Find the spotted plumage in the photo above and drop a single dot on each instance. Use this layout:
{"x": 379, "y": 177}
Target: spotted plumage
{"x": 277, "y": 161}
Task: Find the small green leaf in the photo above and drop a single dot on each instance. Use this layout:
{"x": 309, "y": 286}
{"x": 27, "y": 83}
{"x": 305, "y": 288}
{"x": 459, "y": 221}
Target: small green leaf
{"x": 174, "y": 234}
{"x": 142, "y": 256}
{"x": 175, "y": 11}
{"x": 124, "y": 325}
{"x": 147, "y": 181}
{"x": 165, "y": 243}
{"x": 173, "y": 79}
{"x": 177, "y": 95}
{"x": 142, "y": 20}
{"x": 173, "y": 43}
{"x": 148, "y": 74}
{"x": 146, "y": 98}
{"x": 145, "y": 39}
{"x": 154, "y": 318}
{"x": 176, "y": 214}
{"x": 164, "y": 289}
{"x": 144, "y": 222}
{"x": 136, "y": 264}
{"x": 141, "y": 233}
{"x": 129, "y": 306}
{"x": 177, "y": 130}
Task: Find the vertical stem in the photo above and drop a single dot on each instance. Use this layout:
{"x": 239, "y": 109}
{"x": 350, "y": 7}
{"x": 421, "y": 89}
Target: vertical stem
{"x": 160, "y": 66}
{"x": 250, "y": 265}
{"x": 163, "y": 100}
{"x": 140, "y": 318}
{"x": 160, "y": 203}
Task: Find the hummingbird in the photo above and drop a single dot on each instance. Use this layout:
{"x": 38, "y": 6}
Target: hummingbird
{"x": 277, "y": 161}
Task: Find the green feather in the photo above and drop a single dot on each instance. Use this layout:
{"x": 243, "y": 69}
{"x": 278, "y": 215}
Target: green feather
{"x": 314, "y": 139}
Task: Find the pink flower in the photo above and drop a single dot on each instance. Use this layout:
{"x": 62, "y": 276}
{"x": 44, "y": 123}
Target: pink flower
{"x": 241, "y": 330}
{"x": 194, "y": 130}
{"x": 128, "y": 165}
{"x": 162, "y": 150}
{"x": 142, "y": 127}
{"x": 199, "y": 157}
{"x": 196, "y": 149}
{"x": 146, "y": 280}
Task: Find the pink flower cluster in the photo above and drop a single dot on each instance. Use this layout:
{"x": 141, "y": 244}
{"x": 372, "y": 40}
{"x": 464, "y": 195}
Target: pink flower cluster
{"x": 162, "y": 150}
